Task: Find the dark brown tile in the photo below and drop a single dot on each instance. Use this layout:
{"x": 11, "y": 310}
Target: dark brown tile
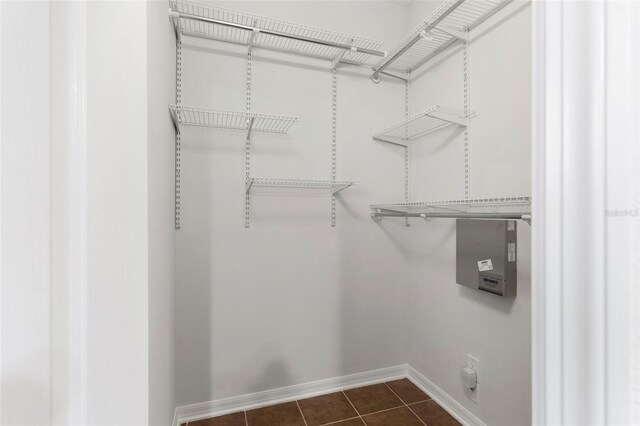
{"x": 350, "y": 422}
{"x": 287, "y": 414}
{"x": 235, "y": 419}
{"x": 407, "y": 391}
{"x": 433, "y": 414}
{"x": 397, "y": 417}
{"x": 370, "y": 399}
{"x": 326, "y": 409}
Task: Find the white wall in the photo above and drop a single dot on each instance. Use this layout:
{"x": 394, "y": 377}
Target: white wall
{"x": 117, "y": 213}
{"x": 161, "y": 92}
{"x": 448, "y": 321}
{"x": 291, "y": 299}
{"x": 24, "y": 214}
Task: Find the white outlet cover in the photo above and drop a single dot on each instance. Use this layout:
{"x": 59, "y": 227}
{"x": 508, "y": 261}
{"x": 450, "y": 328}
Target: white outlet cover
{"x": 474, "y": 363}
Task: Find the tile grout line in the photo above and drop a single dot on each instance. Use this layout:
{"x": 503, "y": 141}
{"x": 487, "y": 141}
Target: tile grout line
{"x": 339, "y": 421}
{"x": 397, "y": 396}
{"x": 418, "y": 402}
{"x": 301, "y": 413}
{"x": 418, "y": 417}
{"x": 354, "y": 407}
{"x": 405, "y": 404}
{"x": 382, "y": 411}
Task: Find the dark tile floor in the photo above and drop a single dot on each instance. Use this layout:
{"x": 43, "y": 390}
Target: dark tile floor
{"x": 396, "y": 403}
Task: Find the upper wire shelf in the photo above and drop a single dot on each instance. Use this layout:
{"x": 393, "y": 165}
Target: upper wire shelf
{"x": 235, "y": 120}
{"x": 482, "y": 208}
{"x": 334, "y": 186}
{"x": 232, "y": 26}
{"x": 448, "y": 24}
{"x": 427, "y": 121}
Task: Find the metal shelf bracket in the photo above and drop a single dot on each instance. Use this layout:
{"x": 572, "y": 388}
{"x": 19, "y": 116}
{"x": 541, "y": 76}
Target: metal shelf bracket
{"x": 248, "y": 185}
{"x": 250, "y": 122}
{"x": 460, "y": 35}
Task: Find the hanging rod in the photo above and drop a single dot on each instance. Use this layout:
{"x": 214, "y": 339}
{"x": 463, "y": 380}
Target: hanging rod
{"x": 376, "y": 75}
{"x": 510, "y": 216}
{"x": 176, "y": 15}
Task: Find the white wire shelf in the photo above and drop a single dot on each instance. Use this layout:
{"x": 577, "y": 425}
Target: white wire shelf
{"x": 236, "y": 120}
{"x": 444, "y": 27}
{"x": 482, "y": 208}
{"x": 232, "y": 26}
{"x": 334, "y": 186}
{"x": 423, "y": 123}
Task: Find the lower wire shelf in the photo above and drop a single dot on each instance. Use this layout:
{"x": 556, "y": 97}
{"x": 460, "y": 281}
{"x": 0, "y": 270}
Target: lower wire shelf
{"x": 334, "y": 186}
{"x": 483, "y": 208}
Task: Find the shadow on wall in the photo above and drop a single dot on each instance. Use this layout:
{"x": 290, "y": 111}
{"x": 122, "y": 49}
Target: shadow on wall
{"x": 193, "y": 328}
{"x": 275, "y": 372}
{"x": 497, "y": 303}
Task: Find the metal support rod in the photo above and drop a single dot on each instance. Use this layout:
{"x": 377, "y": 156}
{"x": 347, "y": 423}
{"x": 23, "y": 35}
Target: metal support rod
{"x": 277, "y": 33}
{"x": 394, "y": 76}
{"x": 511, "y": 216}
{"x": 335, "y": 190}
{"x": 250, "y": 127}
{"x": 376, "y": 74}
{"x": 248, "y": 185}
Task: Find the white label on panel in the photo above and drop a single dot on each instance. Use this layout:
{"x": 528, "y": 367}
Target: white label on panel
{"x": 511, "y": 252}
{"x": 485, "y": 265}
{"x": 511, "y": 225}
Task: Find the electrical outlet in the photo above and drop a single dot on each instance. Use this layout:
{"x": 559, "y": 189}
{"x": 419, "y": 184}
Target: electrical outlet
{"x": 474, "y": 363}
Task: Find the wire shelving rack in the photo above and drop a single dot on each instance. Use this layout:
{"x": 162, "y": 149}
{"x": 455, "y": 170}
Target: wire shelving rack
{"x": 423, "y": 123}
{"x": 184, "y": 115}
{"x": 331, "y": 186}
{"x": 482, "y": 208}
{"x": 448, "y": 24}
{"x": 231, "y": 26}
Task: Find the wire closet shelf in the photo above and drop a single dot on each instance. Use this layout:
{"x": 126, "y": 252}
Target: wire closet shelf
{"x": 234, "y": 120}
{"x": 425, "y": 122}
{"x": 216, "y": 23}
{"x": 484, "y": 208}
{"x": 448, "y": 24}
{"x": 333, "y": 186}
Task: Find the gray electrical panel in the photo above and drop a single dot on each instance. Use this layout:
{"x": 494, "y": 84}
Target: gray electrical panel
{"x": 486, "y": 255}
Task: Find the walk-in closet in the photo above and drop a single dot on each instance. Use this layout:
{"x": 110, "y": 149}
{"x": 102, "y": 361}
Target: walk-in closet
{"x": 325, "y": 152}
{"x": 319, "y": 212}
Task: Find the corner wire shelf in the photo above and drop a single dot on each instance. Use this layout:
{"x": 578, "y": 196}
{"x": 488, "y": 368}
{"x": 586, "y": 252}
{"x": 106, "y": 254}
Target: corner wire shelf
{"x": 232, "y": 26}
{"x": 334, "y": 186}
{"x": 423, "y": 123}
{"x": 448, "y": 24}
{"x": 513, "y": 208}
{"x": 234, "y": 120}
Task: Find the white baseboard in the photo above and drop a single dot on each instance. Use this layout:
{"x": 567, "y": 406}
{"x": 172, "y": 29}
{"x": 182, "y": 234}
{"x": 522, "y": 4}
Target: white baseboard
{"x": 454, "y": 408}
{"x": 219, "y": 407}
{"x": 203, "y": 410}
